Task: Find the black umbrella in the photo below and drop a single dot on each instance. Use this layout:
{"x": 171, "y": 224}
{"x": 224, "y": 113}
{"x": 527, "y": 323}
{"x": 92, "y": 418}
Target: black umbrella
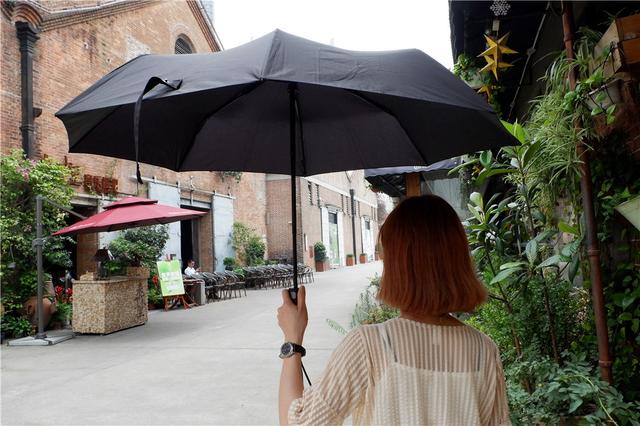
{"x": 282, "y": 104}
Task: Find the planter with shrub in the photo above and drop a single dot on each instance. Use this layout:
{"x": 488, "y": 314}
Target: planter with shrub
{"x": 320, "y": 256}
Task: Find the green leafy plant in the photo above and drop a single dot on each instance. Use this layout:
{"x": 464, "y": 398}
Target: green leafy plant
{"x": 249, "y": 247}
{"x": 15, "y": 326}
{"x": 562, "y": 391}
{"x": 140, "y": 246}
{"x": 22, "y": 180}
{"x": 154, "y": 296}
{"x": 368, "y": 310}
{"x": 320, "y": 252}
{"x": 64, "y": 312}
{"x": 237, "y": 176}
{"x": 467, "y": 68}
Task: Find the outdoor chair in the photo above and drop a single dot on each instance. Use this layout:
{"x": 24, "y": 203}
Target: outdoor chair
{"x": 220, "y": 285}
{"x": 305, "y": 274}
{"x": 237, "y": 284}
{"x": 210, "y": 286}
{"x": 231, "y": 279}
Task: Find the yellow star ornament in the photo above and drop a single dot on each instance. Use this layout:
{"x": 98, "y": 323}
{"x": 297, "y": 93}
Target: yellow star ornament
{"x": 486, "y": 88}
{"x": 494, "y": 52}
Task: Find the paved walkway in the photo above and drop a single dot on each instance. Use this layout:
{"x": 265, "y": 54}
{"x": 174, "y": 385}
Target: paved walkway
{"x": 214, "y": 364}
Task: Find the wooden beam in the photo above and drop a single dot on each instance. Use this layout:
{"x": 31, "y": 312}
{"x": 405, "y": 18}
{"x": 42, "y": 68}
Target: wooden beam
{"x": 412, "y": 184}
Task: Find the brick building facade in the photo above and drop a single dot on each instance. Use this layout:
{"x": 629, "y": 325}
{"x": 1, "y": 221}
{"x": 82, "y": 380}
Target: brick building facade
{"x": 73, "y": 44}
{"x": 325, "y": 214}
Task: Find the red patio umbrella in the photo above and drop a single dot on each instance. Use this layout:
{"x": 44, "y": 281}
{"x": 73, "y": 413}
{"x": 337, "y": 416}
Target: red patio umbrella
{"x": 130, "y": 212}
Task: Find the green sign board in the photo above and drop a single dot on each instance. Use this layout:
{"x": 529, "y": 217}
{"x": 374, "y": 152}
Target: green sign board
{"x": 170, "y": 278}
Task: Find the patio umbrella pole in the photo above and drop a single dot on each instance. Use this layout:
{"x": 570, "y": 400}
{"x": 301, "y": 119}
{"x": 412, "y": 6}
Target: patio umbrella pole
{"x": 294, "y": 214}
{"x": 39, "y": 242}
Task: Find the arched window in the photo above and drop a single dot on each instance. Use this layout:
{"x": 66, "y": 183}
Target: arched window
{"x": 183, "y": 45}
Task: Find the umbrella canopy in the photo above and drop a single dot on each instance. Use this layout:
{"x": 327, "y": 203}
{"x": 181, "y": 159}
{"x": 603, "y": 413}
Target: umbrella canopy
{"x": 282, "y": 104}
{"x": 130, "y": 212}
{"x": 230, "y": 110}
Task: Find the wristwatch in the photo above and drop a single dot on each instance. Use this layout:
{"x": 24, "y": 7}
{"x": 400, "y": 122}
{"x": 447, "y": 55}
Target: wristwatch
{"x": 288, "y": 349}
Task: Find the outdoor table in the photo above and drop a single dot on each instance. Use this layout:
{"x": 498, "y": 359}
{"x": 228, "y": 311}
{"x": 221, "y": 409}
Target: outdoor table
{"x": 194, "y": 288}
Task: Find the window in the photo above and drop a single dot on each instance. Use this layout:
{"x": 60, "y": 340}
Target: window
{"x": 333, "y": 218}
{"x": 183, "y": 45}
{"x": 310, "y": 188}
{"x": 318, "y": 191}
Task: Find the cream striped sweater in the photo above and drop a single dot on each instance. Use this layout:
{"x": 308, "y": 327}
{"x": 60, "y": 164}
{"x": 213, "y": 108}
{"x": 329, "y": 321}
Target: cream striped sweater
{"x": 405, "y": 372}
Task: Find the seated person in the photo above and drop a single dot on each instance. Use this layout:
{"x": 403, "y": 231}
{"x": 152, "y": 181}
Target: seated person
{"x": 191, "y": 270}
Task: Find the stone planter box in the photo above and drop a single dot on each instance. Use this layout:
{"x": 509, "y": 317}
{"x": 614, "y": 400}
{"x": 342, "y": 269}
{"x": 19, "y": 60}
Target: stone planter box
{"x": 105, "y": 306}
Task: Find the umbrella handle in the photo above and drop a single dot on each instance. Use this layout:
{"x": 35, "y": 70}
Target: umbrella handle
{"x": 153, "y": 82}
{"x": 293, "y": 294}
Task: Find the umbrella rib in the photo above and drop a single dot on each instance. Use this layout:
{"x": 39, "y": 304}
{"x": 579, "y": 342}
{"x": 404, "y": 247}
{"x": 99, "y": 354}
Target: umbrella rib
{"x": 244, "y": 92}
{"x": 387, "y": 111}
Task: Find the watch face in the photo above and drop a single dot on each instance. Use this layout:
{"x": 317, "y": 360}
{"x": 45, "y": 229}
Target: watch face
{"x": 286, "y": 350}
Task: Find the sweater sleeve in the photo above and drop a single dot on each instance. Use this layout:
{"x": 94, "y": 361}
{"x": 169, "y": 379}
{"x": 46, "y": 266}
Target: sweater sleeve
{"x": 340, "y": 388}
{"x": 500, "y": 409}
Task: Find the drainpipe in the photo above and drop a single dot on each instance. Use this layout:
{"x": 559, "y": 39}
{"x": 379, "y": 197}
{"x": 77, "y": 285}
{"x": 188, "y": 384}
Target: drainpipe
{"x": 352, "y": 192}
{"x": 597, "y": 294}
{"x": 27, "y": 36}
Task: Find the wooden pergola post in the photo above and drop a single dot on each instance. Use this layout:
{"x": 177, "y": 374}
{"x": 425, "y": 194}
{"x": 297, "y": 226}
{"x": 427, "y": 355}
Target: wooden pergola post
{"x": 412, "y": 184}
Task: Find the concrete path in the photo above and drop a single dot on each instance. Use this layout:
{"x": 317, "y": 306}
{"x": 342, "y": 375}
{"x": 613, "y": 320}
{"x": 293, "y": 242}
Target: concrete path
{"x": 215, "y": 364}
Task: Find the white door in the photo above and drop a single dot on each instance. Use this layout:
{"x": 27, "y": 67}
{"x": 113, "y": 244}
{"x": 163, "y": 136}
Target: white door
{"x": 222, "y": 229}
{"x": 169, "y": 196}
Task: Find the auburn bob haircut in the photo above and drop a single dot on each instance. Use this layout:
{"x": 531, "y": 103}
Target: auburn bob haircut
{"x": 427, "y": 265}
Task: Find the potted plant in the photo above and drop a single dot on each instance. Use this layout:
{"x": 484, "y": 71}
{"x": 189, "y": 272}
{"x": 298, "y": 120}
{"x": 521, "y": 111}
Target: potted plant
{"x": 363, "y": 258}
{"x": 229, "y": 263}
{"x": 320, "y": 256}
{"x": 154, "y": 296}
{"x": 350, "y": 259}
{"x": 64, "y": 313}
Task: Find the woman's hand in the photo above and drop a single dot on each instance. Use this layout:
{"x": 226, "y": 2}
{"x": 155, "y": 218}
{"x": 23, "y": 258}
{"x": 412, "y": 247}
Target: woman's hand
{"x": 293, "y": 318}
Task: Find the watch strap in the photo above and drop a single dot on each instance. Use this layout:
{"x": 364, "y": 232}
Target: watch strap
{"x": 299, "y": 349}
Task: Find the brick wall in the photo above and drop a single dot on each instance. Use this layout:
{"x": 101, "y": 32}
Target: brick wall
{"x": 205, "y": 244}
{"x": 10, "y": 113}
{"x": 279, "y": 218}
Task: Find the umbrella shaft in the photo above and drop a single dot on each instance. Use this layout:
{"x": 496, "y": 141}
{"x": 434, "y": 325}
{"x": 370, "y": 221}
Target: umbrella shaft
{"x": 294, "y": 213}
